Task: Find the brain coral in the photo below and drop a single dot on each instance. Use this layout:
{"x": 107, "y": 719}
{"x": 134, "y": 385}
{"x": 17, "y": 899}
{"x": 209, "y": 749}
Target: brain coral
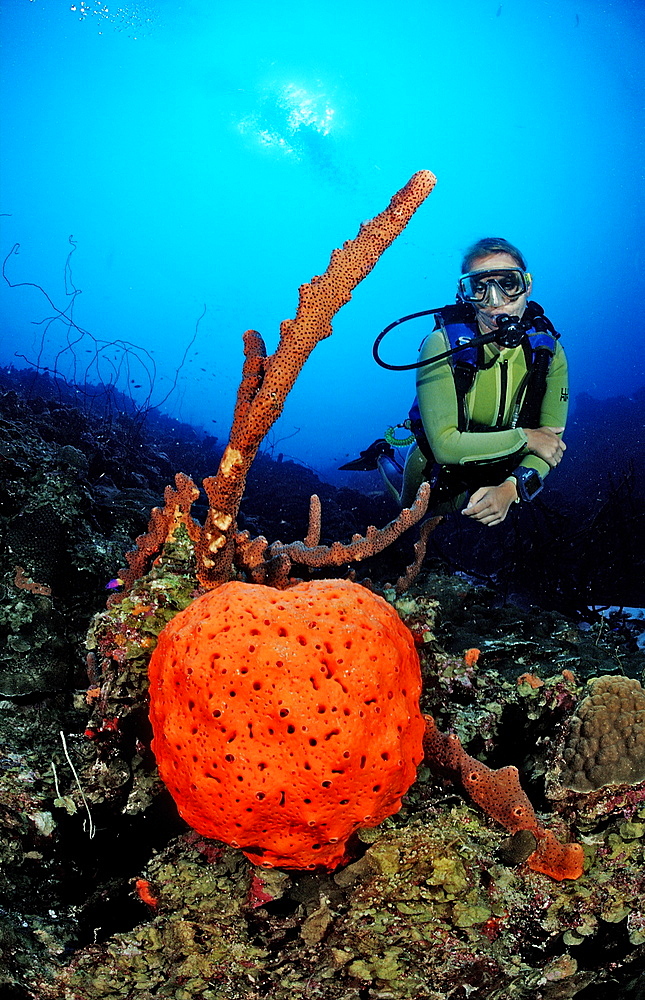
{"x": 606, "y": 742}
{"x": 284, "y": 720}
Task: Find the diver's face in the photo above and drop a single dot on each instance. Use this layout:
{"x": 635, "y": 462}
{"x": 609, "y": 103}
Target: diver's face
{"x": 496, "y": 303}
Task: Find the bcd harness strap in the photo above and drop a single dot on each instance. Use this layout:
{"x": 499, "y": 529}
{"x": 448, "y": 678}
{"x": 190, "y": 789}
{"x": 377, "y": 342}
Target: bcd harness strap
{"x": 459, "y": 325}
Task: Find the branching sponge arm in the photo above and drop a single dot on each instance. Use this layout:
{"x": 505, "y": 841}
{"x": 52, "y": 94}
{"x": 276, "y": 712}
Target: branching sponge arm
{"x": 266, "y": 382}
{"x": 263, "y": 397}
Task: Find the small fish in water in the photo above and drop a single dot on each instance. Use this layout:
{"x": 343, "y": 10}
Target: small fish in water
{"x": 499, "y": 11}
{"x": 114, "y": 584}
{"x": 577, "y": 20}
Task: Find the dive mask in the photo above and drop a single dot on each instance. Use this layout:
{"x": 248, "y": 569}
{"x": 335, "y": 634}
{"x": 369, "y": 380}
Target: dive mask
{"x": 476, "y": 286}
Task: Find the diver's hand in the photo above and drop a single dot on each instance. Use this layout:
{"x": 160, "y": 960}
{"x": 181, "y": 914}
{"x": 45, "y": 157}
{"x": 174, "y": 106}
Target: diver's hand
{"x": 545, "y": 443}
{"x": 489, "y": 505}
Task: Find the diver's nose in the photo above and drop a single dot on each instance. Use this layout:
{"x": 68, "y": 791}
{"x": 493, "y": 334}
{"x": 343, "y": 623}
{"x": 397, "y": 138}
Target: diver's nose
{"x": 494, "y": 295}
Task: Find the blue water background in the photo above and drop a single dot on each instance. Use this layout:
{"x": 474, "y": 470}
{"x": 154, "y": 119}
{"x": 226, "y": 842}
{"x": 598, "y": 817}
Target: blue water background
{"x": 213, "y": 154}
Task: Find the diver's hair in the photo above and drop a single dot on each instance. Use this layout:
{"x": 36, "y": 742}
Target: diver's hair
{"x": 490, "y": 245}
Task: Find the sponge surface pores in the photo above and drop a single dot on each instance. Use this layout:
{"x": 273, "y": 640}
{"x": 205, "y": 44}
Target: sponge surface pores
{"x": 285, "y": 720}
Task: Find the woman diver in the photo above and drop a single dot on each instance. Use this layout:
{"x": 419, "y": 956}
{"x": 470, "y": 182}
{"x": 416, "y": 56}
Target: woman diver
{"x": 492, "y": 395}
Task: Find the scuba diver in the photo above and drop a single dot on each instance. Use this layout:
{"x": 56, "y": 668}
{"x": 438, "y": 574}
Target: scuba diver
{"x": 492, "y": 396}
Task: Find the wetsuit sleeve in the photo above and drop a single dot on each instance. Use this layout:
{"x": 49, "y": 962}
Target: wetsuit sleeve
{"x": 555, "y": 405}
{"x": 438, "y": 405}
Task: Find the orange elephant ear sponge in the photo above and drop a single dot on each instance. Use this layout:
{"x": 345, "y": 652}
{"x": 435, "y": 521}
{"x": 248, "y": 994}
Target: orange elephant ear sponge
{"x": 285, "y": 720}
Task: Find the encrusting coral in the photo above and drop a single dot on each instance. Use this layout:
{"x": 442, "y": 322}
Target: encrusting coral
{"x": 286, "y": 720}
{"x": 266, "y": 382}
{"x": 606, "y": 741}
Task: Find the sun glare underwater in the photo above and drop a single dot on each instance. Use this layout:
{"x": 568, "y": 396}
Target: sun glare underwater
{"x": 201, "y": 161}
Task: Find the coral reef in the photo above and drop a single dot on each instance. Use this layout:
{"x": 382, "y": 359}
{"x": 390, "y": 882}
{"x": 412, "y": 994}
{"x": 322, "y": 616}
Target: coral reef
{"x": 434, "y": 903}
{"x": 427, "y": 913}
{"x": 284, "y": 721}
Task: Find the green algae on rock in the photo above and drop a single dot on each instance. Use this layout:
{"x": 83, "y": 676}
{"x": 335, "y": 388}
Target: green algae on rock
{"x": 428, "y": 913}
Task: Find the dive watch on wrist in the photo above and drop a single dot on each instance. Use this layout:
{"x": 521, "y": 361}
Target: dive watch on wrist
{"x": 529, "y": 482}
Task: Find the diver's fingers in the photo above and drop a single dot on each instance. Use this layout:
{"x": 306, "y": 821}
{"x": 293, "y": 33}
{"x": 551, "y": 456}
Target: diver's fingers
{"x": 477, "y": 496}
{"x": 560, "y": 443}
{"x": 486, "y": 515}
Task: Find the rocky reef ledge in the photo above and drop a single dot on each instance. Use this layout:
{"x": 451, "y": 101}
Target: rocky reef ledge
{"x": 106, "y": 893}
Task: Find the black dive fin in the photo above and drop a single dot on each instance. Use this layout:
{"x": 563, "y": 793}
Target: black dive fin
{"x": 368, "y": 459}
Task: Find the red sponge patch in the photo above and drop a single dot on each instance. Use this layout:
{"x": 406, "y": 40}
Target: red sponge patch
{"x": 284, "y": 720}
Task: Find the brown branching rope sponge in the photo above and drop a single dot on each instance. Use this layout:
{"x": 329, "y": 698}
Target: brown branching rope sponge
{"x": 266, "y": 382}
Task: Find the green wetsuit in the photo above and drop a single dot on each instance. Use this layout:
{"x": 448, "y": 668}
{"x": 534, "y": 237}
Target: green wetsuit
{"x": 492, "y": 405}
